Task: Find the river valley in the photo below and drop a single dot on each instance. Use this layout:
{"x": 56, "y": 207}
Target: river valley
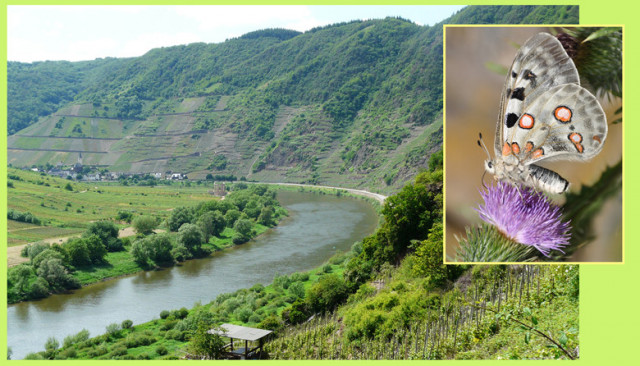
{"x": 317, "y": 227}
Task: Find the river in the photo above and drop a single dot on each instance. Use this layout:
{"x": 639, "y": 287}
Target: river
{"x": 317, "y": 227}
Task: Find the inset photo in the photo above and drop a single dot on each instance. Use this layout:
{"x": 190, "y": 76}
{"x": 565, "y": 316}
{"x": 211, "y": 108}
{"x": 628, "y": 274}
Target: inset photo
{"x": 533, "y": 144}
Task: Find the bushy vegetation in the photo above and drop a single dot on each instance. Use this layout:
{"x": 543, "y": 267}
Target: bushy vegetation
{"x": 22, "y": 217}
{"x": 58, "y": 267}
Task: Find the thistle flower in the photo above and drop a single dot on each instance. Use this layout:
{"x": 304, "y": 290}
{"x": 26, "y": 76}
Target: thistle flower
{"x": 525, "y": 216}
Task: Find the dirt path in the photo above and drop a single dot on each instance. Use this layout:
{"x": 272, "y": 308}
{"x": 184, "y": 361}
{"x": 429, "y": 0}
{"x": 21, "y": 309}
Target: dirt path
{"x": 13, "y": 253}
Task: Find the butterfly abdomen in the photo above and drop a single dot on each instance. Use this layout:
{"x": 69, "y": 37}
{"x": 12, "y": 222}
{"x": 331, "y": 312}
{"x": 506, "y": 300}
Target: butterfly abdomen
{"x": 547, "y": 180}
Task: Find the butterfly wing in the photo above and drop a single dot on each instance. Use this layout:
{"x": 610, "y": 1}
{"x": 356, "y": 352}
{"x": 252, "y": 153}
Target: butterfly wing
{"x": 540, "y": 64}
{"x": 565, "y": 122}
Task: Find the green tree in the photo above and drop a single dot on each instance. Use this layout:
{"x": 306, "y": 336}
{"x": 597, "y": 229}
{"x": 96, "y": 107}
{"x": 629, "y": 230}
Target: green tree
{"x": 266, "y": 216}
{"x": 104, "y": 229}
{"x": 139, "y": 252}
{"x": 44, "y": 255}
{"x": 144, "y": 224}
{"x": 211, "y": 223}
{"x": 297, "y": 289}
{"x": 78, "y": 252}
{"x": 327, "y": 293}
{"x": 96, "y": 247}
{"x": 179, "y": 217}
{"x": 190, "y": 236}
{"x": 428, "y": 257}
{"x": 244, "y": 231}
{"x": 232, "y": 216}
{"x": 205, "y": 344}
{"x": 56, "y": 274}
{"x": 160, "y": 248}
{"x": 19, "y": 276}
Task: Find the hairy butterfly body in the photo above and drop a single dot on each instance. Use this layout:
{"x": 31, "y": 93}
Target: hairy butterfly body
{"x": 544, "y": 115}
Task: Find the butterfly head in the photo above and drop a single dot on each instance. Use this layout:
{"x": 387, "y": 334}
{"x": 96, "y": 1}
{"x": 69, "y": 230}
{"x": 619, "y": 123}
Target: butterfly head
{"x": 489, "y": 166}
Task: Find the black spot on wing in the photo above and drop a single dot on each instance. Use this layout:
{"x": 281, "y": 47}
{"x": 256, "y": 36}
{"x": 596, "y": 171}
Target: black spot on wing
{"x": 518, "y": 93}
{"x": 529, "y": 75}
{"x": 511, "y": 120}
{"x": 513, "y": 74}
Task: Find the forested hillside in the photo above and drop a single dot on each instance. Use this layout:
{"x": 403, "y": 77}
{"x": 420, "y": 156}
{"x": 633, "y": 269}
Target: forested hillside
{"x": 356, "y": 104}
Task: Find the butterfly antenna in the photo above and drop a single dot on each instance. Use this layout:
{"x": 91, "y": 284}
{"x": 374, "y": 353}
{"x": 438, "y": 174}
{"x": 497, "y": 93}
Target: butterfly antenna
{"x": 483, "y": 146}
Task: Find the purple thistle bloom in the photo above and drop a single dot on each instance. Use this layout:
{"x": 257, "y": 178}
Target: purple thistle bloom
{"x": 526, "y": 217}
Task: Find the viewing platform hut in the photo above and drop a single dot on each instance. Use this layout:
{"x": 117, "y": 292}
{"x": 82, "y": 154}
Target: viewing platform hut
{"x": 246, "y": 334}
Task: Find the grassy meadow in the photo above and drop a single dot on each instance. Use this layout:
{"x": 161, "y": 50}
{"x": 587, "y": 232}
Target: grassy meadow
{"x": 67, "y": 207}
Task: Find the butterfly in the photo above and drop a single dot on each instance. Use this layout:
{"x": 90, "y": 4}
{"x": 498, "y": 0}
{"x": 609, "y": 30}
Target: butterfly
{"x": 544, "y": 115}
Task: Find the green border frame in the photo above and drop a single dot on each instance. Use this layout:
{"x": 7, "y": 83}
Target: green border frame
{"x": 609, "y": 298}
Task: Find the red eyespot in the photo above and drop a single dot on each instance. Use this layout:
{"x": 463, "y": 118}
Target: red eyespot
{"x": 526, "y": 121}
{"x": 563, "y": 114}
{"x": 576, "y": 139}
{"x": 515, "y": 148}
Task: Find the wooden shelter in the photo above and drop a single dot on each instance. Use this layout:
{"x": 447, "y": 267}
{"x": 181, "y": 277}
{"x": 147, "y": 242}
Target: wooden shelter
{"x": 246, "y": 334}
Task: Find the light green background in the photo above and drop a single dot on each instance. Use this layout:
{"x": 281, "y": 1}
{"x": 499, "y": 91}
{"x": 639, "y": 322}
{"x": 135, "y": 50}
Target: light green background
{"x": 610, "y": 293}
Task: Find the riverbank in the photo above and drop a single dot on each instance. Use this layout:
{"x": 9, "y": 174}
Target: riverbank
{"x": 318, "y": 226}
{"x": 192, "y": 232}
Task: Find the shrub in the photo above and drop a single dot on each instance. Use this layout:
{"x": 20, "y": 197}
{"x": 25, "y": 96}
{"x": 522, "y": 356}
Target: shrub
{"x": 125, "y": 216}
{"x": 176, "y": 334}
{"x": 126, "y": 324}
{"x": 31, "y": 250}
{"x": 164, "y": 314}
{"x": 327, "y": 293}
{"x": 255, "y": 318}
{"x": 297, "y": 289}
{"x": 78, "y": 252}
{"x": 181, "y": 313}
{"x": 144, "y": 224}
{"x": 103, "y": 229}
{"x": 180, "y": 253}
{"x": 113, "y": 329}
{"x": 243, "y": 313}
{"x": 115, "y": 244}
{"x": 161, "y": 350}
{"x": 39, "y": 289}
{"x": 168, "y": 325}
{"x": 81, "y": 336}
{"x": 281, "y": 282}
{"x": 179, "y": 217}
{"x": 119, "y": 350}
{"x": 138, "y": 340}
{"x": 295, "y": 277}
{"x": 51, "y": 344}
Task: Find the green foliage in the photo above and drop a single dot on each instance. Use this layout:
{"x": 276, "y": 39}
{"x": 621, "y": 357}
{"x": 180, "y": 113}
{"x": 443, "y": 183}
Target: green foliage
{"x": 144, "y": 224}
{"x": 125, "y": 216}
{"x": 244, "y": 231}
{"x": 211, "y": 223}
{"x": 204, "y": 344}
{"x": 179, "y": 217}
{"x": 126, "y": 324}
{"x": 155, "y": 248}
{"x": 23, "y": 217}
{"x": 327, "y": 293}
{"x": 190, "y": 236}
{"x": 104, "y": 229}
{"x": 408, "y": 216}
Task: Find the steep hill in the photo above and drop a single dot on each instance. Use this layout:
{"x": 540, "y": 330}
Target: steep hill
{"x": 355, "y": 104}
